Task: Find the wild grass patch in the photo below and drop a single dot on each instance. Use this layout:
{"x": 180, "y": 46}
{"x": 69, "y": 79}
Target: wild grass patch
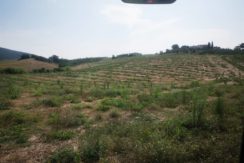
{"x": 52, "y": 101}
{"x": 66, "y": 155}
{"x": 60, "y": 135}
{"x": 66, "y": 119}
{"x": 14, "y": 127}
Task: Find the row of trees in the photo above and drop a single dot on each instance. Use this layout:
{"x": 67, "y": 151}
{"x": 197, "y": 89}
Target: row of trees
{"x": 204, "y": 49}
{"x": 60, "y": 61}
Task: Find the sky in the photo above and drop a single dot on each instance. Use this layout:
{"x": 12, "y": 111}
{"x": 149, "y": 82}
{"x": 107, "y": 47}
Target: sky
{"x": 99, "y": 28}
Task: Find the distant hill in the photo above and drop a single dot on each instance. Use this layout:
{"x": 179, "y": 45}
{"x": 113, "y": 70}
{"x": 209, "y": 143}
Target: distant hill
{"x": 7, "y": 54}
{"x": 28, "y": 64}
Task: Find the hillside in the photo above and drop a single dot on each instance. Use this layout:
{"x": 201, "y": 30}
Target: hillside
{"x": 27, "y": 64}
{"x": 168, "y": 108}
{"x": 7, "y": 54}
{"x": 161, "y": 69}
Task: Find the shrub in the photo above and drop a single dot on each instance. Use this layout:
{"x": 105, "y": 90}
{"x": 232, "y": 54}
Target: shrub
{"x": 41, "y": 70}
{"x": 91, "y": 149}
{"x": 15, "y": 133}
{"x": 114, "y": 114}
{"x": 145, "y": 99}
{"x": 72, "y": 98}
{"x": 103, "y": 107}
{"x": 77, "y": 106}
{"x": 116, "y": 102}
{"x": 13, "y": 92}
{"x": 60, "y": 135}
{"x": 219, "y": 108}
{"x": 12, "y": 118}
{"x": 12, "y": 71}
{"x": 174, "y": 128}
{"x": 64, "y": 156}
{"x": 197, "y": 108}
{"x": 170, "y": 100}
{"x": 66, "y": 119}
{"x": 52, "y": 102}
{"x": 194, "y": 84}
{"x": 13, "y": 126}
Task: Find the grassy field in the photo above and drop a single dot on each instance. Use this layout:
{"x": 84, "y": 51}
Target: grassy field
{"x": 27, "y": 65}
{"x": 170, "y": 108}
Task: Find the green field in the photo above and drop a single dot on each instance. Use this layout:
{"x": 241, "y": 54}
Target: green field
{"x": 169, "y": 108}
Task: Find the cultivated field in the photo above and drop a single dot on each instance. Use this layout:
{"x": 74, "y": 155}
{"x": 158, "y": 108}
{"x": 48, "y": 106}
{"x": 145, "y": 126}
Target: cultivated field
{"x": 172, "y": 108}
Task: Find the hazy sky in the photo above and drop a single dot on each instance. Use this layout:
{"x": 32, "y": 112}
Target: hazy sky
{"x": 89, "y": 28}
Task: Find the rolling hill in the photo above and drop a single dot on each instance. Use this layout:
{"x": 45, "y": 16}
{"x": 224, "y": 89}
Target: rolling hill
{"x": 27, "y": 64}
{"x": 7, "y": 54}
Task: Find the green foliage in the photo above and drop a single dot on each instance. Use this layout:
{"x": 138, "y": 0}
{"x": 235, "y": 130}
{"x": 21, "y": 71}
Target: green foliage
{"x": 13, "y": 126}
{"x": 12, "y": 71}
{"x": 60, "y": 135}
{"x": 91, "y": 149}
{"x": 170, "y": 100}
{"x": 13, "y": 92}
{"x": 197, "y": 107}
{"x": 41, "y": 70}
{"x": 219, "y": 91}
{"x": 175, "y": 129}
{"x": 12, "y": 118}
{"x": 77, "y": 106}
{"x": 72, "y": 98}
{"x": 219, "y": 108}
{"x": 194, "y": 84}
{"x": 103, "y": 108}
{"x": 111, "y": 92}
{"x": 66, "y": 119}
{"x": 142, "y": 137}
{"x": 64, "y": 156}
{"x": 114, "y": 114}
{"x": 52, "y": 102}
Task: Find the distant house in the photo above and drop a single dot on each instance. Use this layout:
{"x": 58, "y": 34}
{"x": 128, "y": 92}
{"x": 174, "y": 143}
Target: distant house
{"x": 203, "y": 47}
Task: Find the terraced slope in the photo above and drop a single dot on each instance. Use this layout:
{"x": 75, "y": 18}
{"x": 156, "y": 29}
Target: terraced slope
{"x": 172, "y": 108}
{"x": 159, "y": 69}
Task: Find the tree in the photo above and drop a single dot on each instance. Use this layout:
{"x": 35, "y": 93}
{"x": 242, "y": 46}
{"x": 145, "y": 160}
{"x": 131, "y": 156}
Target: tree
{"x": 242, "y": 45}
{"x": 175, "y": 47}
{"x": 25, "y": 56}
{"x": 54, "y": 59}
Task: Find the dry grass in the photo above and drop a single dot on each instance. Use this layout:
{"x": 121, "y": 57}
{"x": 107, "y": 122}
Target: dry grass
{"x": 27, "y": 64}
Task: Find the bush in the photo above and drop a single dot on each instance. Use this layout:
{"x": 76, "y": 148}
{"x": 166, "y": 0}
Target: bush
{"x": 170, "y": 100}
{"x": 64, "y": 156}
{"x": 219, "y": 108}
{"x": 12, "y": 71}
{"x": 12, "y": 118}
{"x": 41, "y": 70}
{"x": 103, "y": 107}
{"x": 91, "y": 149}
{"x": 114, "y": 114}
{"x": 13, "y": 126}
{"x": 77, "y": 106}
{"x": 197, "y": 108}
{"x": 66, "y": 119}
{"x": 60, "y": 135}
{"x": 13, "y": 92}
{"x": 52, "y": 102}
{"x": 116, "y": 102}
